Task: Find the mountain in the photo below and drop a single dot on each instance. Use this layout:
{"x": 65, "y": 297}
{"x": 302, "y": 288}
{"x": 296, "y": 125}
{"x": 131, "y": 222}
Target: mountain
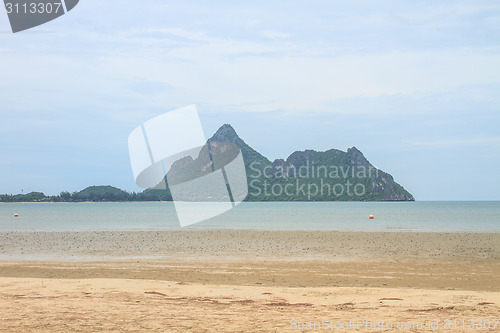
{"x": 309, "y": 175}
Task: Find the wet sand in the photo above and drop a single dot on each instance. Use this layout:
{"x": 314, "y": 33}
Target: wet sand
{"x": 282, "y": 245}
{"x": 255, "y": 281}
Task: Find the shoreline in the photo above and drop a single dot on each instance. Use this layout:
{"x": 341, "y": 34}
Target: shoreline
{"x": 475, "y": 275}
{"x": 234, "y": 281}
{"x": 324, "y": 258}
{"x": 181, "y": 243}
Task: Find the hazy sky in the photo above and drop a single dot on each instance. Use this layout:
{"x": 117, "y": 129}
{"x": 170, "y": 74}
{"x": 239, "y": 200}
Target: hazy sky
{"x": 414, "y": 85}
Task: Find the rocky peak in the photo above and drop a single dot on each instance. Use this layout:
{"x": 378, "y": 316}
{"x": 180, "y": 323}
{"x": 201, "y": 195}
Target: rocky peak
{"x": 225, "y": 133}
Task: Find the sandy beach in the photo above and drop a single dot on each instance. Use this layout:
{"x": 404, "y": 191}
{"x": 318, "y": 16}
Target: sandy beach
{"x": 253, "y": 281}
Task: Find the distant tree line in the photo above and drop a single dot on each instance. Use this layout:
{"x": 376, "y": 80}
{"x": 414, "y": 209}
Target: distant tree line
{"x": 93, "y": 194}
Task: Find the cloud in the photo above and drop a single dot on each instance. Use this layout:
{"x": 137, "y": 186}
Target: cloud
{"x": 253, "y": 69}
{"x": 214, "y": 74}
{"x": 275, "y": 34}
{"x": 233, "y": 74}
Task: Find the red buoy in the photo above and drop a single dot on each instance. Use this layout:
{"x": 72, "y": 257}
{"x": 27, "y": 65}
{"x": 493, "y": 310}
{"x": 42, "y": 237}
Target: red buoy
{"x": 16, "y": 215}
{"x": 371, "y": 217}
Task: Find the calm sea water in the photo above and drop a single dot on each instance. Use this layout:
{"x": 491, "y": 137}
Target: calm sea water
{"x": 341, "y": 216}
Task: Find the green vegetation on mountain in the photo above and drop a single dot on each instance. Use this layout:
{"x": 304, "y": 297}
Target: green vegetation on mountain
{"x": 101, "y": 193}
{"x": 309, "y": 175}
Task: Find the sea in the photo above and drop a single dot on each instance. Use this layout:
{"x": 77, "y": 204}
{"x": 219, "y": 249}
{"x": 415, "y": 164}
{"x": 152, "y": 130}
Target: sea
{"x": 418, "y": 216}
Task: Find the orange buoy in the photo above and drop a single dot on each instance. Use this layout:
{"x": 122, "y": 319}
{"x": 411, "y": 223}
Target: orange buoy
{"x": 16, "y": 215}
{"x": 371, "y": 217}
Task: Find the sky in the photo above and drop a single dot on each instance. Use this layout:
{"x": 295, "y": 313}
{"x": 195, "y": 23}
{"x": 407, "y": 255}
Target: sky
{"x": 414, "y": 85}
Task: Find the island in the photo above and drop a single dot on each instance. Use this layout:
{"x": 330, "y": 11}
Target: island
{"x": 308, "y": 175}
